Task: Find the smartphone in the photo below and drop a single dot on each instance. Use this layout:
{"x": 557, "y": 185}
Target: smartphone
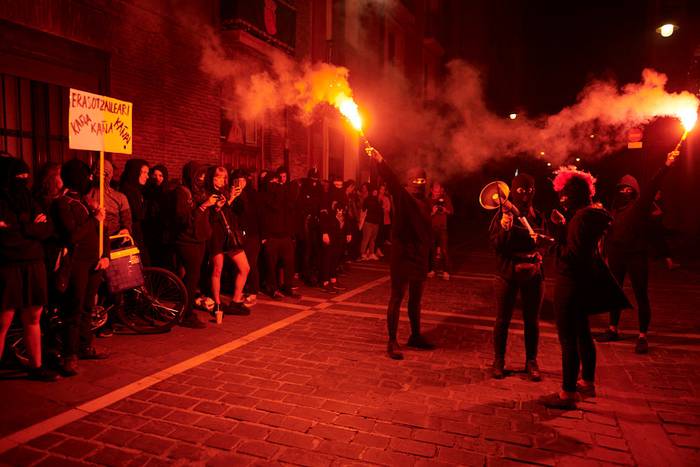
{"x": 236, "y": 182}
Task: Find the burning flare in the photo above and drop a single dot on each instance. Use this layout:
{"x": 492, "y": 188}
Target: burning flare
{"x": 347, "y": 106}
{"x": 688, "y": 117}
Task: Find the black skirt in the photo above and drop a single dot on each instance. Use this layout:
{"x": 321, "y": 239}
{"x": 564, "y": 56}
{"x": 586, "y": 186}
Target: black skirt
{"x": 23, "y": 285}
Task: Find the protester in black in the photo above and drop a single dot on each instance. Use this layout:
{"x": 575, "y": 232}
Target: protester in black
{"x": 23, "y": 226}
{"x": 226, "y": 241}
{"x": 583, "y": 282}
{"x": 411, "y": 238}
{"x": 191, "y": 232}
{"x": 157, "y": 195}
{"x": 278, "y": 231}
{"x": 132, "y": 183}
{"x": 373, "y": 214}
{"x": 519, "y": 270}
{"x": 77, "y": 222}
{"x": 309, "y": 210}
{"x": 247, "y": 209}
{"x": 335, "y": 234}
{"x": 627, "y": 248}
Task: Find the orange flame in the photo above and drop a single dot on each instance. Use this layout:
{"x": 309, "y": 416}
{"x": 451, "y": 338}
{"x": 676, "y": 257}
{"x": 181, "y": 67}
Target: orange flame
{"x": 688, "y": 117}
{"x": 347, "y": 106}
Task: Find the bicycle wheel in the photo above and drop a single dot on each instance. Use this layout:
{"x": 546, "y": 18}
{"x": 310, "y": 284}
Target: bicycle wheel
{"x": 156, "y": 306}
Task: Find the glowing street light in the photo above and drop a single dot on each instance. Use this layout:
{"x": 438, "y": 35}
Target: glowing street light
{"x": 513, "y": 116}
{"x": 578, "y": 159}
{"x": 667, "y": 29}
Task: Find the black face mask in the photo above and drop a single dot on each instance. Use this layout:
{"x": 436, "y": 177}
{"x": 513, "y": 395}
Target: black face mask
{"x": 522, "y": 191}
{"x": 622, "y": 199}
{"x": 417, "y": 190}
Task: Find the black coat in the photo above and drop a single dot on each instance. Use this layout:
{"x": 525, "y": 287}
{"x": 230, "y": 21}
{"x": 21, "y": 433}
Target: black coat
{"x": 412, "y": 233}
{"x": 582, "y": 274}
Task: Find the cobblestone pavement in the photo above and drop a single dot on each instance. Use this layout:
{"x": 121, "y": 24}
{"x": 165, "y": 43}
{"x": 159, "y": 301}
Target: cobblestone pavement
{"x": 311, "y": 386}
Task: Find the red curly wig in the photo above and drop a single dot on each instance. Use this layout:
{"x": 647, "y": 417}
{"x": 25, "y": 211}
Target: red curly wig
{"x": 566, "y": 173}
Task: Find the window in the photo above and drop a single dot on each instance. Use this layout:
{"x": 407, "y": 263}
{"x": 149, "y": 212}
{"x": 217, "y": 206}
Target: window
{"x": 33, "y": 120}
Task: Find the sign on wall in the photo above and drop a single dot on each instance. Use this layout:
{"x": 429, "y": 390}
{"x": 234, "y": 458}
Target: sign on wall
{"x": 99, "y": 123}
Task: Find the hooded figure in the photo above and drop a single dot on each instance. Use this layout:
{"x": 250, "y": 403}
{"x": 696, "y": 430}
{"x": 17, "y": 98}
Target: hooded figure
{"x": 583, "y": 283}
{"x": 194, "y": 179}
{"x": 157, "y": 200}
{"x": 23, "y": 287}
{"x": 626, "y": 247}
{"x": 117, "y": 210}
{"x": 77, "y": 176}
{"x": 14, "y": 183}
{"x": 132, "y": 184}
{"x": 519, "y": 271}
{"x": 411, "y": 239}
{"x": 522, "y": 192}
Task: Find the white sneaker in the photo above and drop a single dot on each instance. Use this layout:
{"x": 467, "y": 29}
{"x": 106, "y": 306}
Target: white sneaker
{"x": 373, "y": 257}
{"x": 446, "y": 276}
{"x": 431, "y": 274}
{"x": 379, "y": 253}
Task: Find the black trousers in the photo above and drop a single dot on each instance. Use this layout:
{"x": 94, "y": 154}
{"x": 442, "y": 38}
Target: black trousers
{"x": 251, "y": 246}
{"x": 574, "y": 330}
{"x": 310, "y": 249}
{"x": 77, "y": 306}
{"x": 415, "y": 295}
{"x": 531, "y": 294}
{"x": 279, "y": 251}
{"x": 637, "y": 266}
{"x": 190, "y": 256}
{"x": 330, "y": 259}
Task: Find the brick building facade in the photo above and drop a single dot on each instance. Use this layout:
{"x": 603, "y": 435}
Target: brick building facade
{"x": 148, "y": 53}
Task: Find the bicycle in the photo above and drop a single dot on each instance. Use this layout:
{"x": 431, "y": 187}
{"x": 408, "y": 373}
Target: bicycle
{"x": 153, "y": 305}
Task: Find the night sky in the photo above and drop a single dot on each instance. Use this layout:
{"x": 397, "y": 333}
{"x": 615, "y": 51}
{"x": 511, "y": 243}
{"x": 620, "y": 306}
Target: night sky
{"x": 537, "y": 55}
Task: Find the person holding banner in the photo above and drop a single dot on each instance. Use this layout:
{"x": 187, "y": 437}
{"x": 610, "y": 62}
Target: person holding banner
{"x": 77, "y": 222}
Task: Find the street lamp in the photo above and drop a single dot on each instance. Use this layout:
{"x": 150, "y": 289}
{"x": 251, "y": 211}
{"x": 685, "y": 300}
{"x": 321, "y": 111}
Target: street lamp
{"x": 513, "y": 116}
{"x": 667, "y": 30}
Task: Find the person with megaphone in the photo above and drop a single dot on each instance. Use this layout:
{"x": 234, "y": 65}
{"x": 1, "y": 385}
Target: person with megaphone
{"x": 519, "y": 249}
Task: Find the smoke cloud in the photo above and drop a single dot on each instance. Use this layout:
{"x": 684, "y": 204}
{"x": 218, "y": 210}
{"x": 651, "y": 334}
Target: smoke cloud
{"x": 456, "y": 132}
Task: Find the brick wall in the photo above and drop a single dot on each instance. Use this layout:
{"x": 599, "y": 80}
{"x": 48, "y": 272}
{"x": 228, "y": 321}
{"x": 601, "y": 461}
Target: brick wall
{"x": 154, "y": 54}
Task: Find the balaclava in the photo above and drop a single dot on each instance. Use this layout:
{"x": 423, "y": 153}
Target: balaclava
{"x": 14, "y": 183}
{"x": 417, "y": 190}
{"x": 77, "y": 176}
{"x": 522, "y": 192}
{"x": 622, "y": 199}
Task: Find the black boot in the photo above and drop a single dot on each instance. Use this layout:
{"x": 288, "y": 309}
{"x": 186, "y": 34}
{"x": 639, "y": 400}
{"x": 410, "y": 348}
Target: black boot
{"x": 393, "y": 350}
{"x": 498, "y": 369}
{"x": 533, "y": 371}
{"x": 417, "y": 341}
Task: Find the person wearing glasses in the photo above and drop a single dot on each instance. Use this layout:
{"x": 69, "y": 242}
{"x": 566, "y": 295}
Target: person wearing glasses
{"x": 411, "y": 239}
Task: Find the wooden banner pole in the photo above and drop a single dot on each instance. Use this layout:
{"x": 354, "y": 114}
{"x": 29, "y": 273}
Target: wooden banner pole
{"x": 102, "y": 199}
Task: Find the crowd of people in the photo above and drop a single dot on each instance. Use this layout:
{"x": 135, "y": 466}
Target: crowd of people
{"x": 218, "y": 229}
{"x": 226, "y": 230}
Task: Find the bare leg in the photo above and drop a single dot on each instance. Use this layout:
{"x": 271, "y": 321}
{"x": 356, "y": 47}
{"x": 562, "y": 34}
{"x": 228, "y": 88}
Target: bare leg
{"x": 241, "y": 262}
{"x": 217, "y": 262}
{"x": 5, "y": 323}
{"x": 32, "y": 334}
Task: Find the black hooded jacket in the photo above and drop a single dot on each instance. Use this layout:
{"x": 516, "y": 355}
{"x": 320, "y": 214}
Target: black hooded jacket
{"x": 129, "y": 185}
{"x": 191, "y": 224}
{"x": 75, "y": 222}
{"x": 21, "y": 239}
{"x": 412, "y": 232}
{"x": 628, "y": 232}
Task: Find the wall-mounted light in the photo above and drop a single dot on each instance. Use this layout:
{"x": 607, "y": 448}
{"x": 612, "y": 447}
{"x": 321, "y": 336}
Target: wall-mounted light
{"x": 667, "y": 30}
